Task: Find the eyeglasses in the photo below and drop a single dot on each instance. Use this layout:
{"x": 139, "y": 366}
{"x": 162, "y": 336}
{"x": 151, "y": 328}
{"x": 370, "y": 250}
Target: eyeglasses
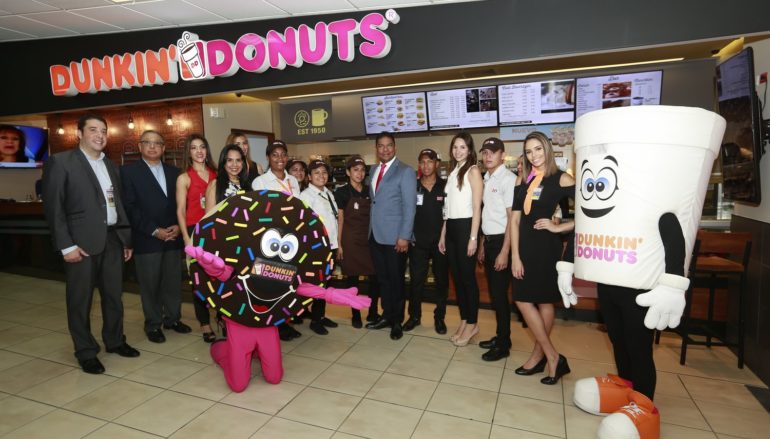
{"x": 151, "y": 143}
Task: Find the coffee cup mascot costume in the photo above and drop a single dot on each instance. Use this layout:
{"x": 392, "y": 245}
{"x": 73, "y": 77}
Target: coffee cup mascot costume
{"x": 259, "y": 259}
{"x": 642, "y": 174}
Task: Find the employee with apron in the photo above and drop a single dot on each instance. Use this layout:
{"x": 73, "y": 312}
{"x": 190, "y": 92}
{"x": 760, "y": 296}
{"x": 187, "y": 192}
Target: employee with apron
{"x": 353, "y": 252}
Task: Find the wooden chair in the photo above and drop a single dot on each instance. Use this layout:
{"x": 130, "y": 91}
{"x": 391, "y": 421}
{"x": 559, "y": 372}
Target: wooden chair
{"x": 715, "y": 263}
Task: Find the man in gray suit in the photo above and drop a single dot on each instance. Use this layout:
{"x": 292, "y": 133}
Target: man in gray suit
{"x": 81, "y": 189}
{"x": 393, "y": 190}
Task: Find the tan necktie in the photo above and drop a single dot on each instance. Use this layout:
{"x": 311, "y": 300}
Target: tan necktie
{"x": 531, "y": 189}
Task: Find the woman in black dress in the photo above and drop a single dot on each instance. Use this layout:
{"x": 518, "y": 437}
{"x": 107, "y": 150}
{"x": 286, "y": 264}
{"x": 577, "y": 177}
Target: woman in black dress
{"x": 535, "y": 248}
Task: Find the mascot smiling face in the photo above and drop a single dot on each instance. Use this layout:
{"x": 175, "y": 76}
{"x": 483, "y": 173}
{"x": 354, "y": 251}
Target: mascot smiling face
{"x": 273, "y": 242}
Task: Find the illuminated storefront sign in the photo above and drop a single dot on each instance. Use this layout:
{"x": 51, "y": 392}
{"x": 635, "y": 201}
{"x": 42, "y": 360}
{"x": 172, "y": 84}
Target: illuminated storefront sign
{"x": 192, "y": 59}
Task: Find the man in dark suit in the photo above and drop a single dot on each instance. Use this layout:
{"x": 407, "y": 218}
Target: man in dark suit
{"x": 149, "y": 189}
{"x": 393, "y": 190}
{"x": 84, "y": 209}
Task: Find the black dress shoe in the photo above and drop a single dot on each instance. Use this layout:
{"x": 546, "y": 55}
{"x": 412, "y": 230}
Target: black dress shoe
{"x": 494, "y": 354}
{"x": 92, "y": 366}
{"x": 293, "y": 332}
{"x": 356, "y": 320}
{"x": 284, "y": 333}
{"x": 396, "y": 332}
{"x": 179, "y": 327}
{"x": 379, "y": 324}
{"x": 411, "y": 324}
{"x": 124, "y": 350}
{"x": 439, "y": 325}
{"x": 156, "y": 336}
{"x": 372, "y": 317}
{"x": 539, "y": 367}
{"x": 488, "y": 344}
{"x": 562, "y": 368}
{"x": 318, "y": 328}
{"x": 329, "y": 323}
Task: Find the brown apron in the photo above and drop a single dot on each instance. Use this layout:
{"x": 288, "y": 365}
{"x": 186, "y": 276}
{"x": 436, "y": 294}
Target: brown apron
{"x": 357, "y": 261}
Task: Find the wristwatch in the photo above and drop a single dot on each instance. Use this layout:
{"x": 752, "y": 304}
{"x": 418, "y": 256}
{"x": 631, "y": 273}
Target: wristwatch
{"x": 473, "y": 238}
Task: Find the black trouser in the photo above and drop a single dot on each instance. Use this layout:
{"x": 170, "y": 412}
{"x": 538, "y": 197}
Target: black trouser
{"x": 318, "y": 307}
{"x": 374, "y": 291}
{"x": 160, "y": 286}
{"x": 201, "y": 309}
{"x": 418, "y": 272}
{"x": 103, "y": 270}
{"x": 498, "y": 282}
{"x": 463, "y": 268}
{"x": 631, "y": 340}
{"x": 391, "y": 268}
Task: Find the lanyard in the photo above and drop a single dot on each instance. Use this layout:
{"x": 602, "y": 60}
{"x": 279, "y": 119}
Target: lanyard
{"x": 329, "y": 199}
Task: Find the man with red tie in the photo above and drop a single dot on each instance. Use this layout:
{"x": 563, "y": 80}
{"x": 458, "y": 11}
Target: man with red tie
{"x": 393, "y": 191}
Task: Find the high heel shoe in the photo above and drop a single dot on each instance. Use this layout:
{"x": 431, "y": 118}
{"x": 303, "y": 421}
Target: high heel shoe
{"x": 562, "y": 368}
{"x": 208, "y": 336}
{"x": 460, "y": 342}
{"x": 460, "y": 329}
{"x": 222, "y": 327}
{"x": 539, "y": 367}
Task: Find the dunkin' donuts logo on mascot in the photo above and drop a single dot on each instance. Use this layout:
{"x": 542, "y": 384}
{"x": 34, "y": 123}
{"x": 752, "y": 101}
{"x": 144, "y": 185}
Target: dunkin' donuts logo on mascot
{"x": 194, "y": 59}
{"x": 608, "y": 248}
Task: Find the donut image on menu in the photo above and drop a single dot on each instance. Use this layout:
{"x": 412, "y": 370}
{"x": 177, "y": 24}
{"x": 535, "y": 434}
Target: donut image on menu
{"x": 274, "y": 243}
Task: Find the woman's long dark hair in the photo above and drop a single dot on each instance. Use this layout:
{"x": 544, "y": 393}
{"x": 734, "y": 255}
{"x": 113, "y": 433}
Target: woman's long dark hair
{"x": 470, "y": 161}
{"x": 187, "y": 160}
{"x": 223, "y": 179}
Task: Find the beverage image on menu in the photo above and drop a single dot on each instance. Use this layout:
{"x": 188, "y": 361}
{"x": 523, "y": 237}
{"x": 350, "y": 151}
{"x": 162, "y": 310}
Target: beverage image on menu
{"x": 533, "y": 103}
{"x": 597, "y": 92}
{"x": 462, "y": 108}
{"x": 401, "y": 112}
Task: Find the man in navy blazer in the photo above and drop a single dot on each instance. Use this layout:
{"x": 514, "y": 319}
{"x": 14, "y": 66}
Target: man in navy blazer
{"x": 149, "y": 188}
{"x": 393, "y": 190}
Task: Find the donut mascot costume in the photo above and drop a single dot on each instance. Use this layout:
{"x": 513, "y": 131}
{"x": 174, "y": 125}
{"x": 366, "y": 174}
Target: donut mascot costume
{"x": 259, "y": 259}
{"x": 642, "y": 174}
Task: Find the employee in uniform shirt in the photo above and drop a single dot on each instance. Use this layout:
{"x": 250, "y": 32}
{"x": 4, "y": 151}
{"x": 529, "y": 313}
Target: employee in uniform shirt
{"x": 428, "y": 221}
{"x": 353, "y": 225}
{"x": 499, "y": 186}
{"x": 277, "y": 179}
{"x": 321, "y": 200}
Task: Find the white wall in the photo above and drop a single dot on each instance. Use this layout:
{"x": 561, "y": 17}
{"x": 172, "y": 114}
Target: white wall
{"x": 254, "y": 116}
{"x": 761, "y": 212}
{"x": 19, "y": 183}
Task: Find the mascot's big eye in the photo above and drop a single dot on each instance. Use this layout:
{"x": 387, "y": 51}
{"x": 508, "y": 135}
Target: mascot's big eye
{"x": 271, "y": 243}
{"x": 606, "y": 183}
{"x": 588, "y": 186}
{"x": 289, "y": 248}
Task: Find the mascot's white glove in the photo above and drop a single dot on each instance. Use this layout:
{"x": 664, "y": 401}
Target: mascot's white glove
{"x": 565, "y": 270}
{"x": 666, "y": 302}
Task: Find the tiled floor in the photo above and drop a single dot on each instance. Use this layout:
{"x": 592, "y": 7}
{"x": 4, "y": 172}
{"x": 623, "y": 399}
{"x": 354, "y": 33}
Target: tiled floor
{"x": 350, "y": 383}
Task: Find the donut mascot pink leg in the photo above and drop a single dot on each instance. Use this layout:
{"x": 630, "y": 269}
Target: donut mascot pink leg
{"x": 261, "y": 258}
{"x": 642, "y": 174}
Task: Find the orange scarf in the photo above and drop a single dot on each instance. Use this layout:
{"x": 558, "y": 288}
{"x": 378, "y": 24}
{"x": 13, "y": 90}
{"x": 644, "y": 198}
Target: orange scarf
{"x": 531, "y": 189}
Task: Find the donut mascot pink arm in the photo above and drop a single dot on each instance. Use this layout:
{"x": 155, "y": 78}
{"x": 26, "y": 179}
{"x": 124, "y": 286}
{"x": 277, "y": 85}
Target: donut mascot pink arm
{"x": 643, "y": 173}
{"x": 260, "y": 259}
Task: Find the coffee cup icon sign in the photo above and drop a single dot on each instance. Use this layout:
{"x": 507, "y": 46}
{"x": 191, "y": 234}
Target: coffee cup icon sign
{"x": 318, "y": 117}
{"x": 191, "y": 56}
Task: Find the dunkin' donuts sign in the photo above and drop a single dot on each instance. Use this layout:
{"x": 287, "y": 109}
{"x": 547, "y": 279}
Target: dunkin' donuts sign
{"x": 193, "y": 59}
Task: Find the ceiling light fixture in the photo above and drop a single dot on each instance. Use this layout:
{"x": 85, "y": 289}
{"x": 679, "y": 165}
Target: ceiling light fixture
{"x": 60, "y": 130}
{"x": 483, "y": 78}
{"x": 169, "y": 120}
{"x": 130, "y": 122}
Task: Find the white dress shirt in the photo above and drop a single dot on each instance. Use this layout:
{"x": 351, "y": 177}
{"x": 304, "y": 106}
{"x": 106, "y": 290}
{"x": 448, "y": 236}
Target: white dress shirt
{"x": 376, "y": 173}
{"x": 498, "y": 196}
{"x": 271, "y": 182}
{"x": 324, "y": 204}
{"x": 160, "y": 176}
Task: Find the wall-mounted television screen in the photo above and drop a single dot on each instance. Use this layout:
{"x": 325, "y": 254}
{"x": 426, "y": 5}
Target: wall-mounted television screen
{"x": 23, "y": 146}
{"x": 609, "y": 91}
{"x": 474, "y": 107}
{"x": 742, "y": 144}
{"x": 398, "y": 112}
{"x": 534, "y": 103}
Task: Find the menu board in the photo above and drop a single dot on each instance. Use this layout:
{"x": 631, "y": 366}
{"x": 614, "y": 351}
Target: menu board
{"x": 597, "y": 92}
{"x": 535, "y": 103}
{"x": 401, "y": 112}
{"x": 462, "y": 108}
